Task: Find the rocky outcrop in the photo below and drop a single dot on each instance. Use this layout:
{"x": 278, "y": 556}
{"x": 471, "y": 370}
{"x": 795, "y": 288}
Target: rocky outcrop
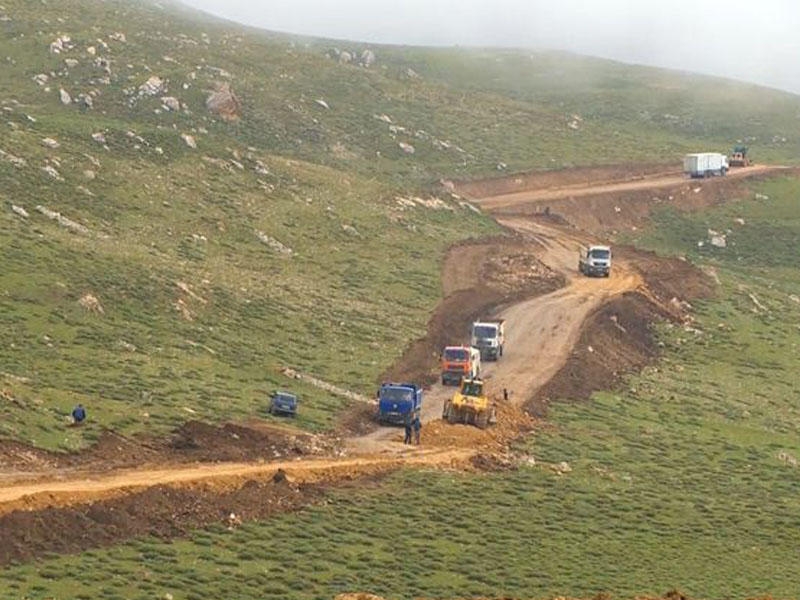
{"x": 224, "y": 103}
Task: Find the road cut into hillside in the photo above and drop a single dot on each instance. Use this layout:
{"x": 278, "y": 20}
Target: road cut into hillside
{"x": 542, "y": 331}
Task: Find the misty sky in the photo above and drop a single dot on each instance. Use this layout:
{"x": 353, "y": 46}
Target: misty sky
{"x": 751, "y": 40}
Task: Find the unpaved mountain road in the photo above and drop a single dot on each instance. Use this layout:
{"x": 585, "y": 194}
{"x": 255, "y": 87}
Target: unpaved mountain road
{"x": 503, "y": 202}
{"x": 541, "y": 333}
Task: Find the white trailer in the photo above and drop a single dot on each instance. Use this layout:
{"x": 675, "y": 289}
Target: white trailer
{"x": 705, "y": 164}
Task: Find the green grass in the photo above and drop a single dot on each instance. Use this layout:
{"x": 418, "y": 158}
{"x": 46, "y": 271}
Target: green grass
{"x": 364, "y": 275}
{"x": 676, "y": 482}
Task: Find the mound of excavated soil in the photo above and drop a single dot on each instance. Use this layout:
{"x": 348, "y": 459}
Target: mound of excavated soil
{"x": 617, "y": 339}
{"x": 512, "y": 421}
{"x": 160, "y": 511}
{"x": 192, "y": 442}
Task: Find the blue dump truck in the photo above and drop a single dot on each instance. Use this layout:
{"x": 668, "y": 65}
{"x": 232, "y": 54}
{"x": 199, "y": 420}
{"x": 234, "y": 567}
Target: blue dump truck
{"x": 398, "y": 400}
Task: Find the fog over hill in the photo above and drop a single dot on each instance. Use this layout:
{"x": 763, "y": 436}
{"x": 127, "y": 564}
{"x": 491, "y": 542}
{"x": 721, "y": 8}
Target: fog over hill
{"x": 739, "y": 40}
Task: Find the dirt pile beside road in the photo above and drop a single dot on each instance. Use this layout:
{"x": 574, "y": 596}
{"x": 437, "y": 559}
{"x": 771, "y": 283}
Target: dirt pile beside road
{"x": 618, "y": 339}
{"x": 191, "y": 442}
{"x": 163, "y": 512}
{"x": 512, "y": 422}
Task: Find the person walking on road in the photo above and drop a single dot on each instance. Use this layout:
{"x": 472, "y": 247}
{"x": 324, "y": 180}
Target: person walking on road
{"x": 417, "y": 426}
{"x": 407, "y": 423}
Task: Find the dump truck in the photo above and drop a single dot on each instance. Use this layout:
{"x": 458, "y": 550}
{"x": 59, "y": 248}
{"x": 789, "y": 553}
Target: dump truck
{"x": 705, "y": 164}
{"x": 459, "y": 362}
{"x": 594, "y": 260}
{"x": 470, "y": 405}
{"x": 739, "y": 157}
{"x": 398, "y": 401}
{"x": 488, "y": 337}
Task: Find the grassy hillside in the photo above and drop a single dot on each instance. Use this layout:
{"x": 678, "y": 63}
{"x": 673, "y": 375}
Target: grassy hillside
{"x": 166, "y": 287}
{"x": 687, "y": 479}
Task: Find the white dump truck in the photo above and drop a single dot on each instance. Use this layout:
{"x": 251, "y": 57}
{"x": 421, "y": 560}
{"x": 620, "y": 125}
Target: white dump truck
{"x": 489, "y": 337}
{"x": 594, "y": 260}
{"x": 705, "y": 164}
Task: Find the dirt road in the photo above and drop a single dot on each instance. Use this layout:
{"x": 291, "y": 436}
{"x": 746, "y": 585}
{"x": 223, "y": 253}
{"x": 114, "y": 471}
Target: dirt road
{"x": 503, "y": 202}
{"x": 541, "y": 333}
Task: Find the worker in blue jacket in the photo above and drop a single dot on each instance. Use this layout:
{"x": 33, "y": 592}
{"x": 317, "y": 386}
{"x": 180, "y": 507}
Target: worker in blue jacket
{"x": 78, "y": 414}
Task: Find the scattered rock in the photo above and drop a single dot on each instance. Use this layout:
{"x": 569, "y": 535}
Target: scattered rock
{"x": 153, "y": 87}
{"x": 350, "y": 230}
{"x": 345, "y": 57}
{"x": 62, "y": 220}
{"x": 20, "y": 211}
{"x": 91, "y": 304}
{"x": 368, "y": 58}
{"x": 118, "y": 36}
{"x": 61, "y": 44}
{"x": 411, "y": 73}
{"x": 274, "y": 244}
{"x": 51, "y": 143}
{"x": 562, "y": 468}
{"x": 170, "y": 103}
{"x": 787, "y": 459}
{"x": 322, "y": 103}
{"x": 189, "y": 140}
{"x": 41, "y": 79}
{"x": 739, "y": 221}
{"x": 224, "y": 103}
{"x": 407, "y": 148}
{"x": 14, "y": 160}
{"x": 64, "y": 96}
{"x": 71, "y": 63}
{"x": 718, "y": 240}
{"x": 52, "y": 172}
{"x": 762, "y": 197}
{"x": 99, "y": 137}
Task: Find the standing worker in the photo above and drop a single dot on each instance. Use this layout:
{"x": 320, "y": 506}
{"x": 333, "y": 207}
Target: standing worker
{"x": 407, "y": 422}
{"x": 417, "y": 425}
{"x": 78, "y": 414}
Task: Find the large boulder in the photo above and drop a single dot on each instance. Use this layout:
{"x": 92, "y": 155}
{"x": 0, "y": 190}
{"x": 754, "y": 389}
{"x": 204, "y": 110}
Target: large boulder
{"x": 224, "y": 103}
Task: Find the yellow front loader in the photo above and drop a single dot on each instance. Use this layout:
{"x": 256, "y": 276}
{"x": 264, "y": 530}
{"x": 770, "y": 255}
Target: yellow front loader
{"x": 470, "y": 405}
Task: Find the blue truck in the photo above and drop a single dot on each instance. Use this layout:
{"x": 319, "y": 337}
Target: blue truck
{"x": 396, "y": 401}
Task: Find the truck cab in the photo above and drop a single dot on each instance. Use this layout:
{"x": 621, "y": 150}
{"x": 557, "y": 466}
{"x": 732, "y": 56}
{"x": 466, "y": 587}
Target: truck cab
{"x": 459, "y": 362}
{"x": 488, "y": 337}
{"x": 595, "y": 260}
{"x": 398, "y": 401}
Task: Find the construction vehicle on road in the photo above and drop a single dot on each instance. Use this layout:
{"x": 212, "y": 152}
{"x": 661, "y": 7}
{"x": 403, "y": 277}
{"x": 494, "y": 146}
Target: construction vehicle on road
{"x": 739, "y": 157}
{"x": 488, "y": 337}
{"x": 470, "y": 405}
{"x": 398, "y": 402}
{"x": 705, "y": 164}
{"x": 459, "y": 362}
{"x": 594, "y": 260}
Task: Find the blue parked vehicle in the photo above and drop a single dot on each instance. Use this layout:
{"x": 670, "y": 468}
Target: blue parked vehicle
{"x": 283, "y": 403}
{"x": 396, "y": 401}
